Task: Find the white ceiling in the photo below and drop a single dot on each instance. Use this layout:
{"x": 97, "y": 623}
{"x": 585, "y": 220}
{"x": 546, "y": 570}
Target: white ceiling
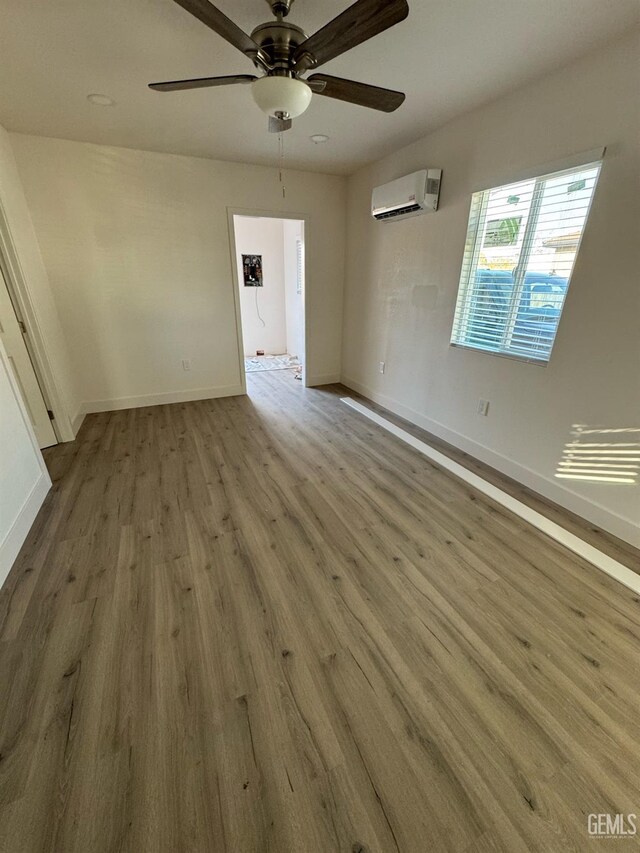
{"x": 448, "y": 56}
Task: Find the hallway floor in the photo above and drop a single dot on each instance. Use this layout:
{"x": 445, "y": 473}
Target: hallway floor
{"x": 261, "y": 363}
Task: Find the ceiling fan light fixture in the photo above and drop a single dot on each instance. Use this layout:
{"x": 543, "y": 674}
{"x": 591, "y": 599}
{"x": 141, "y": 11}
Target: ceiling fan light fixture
{"x": 278, "y": 95}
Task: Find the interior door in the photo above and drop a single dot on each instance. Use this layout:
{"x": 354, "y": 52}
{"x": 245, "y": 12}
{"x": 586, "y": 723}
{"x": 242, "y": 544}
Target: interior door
{"x": 14, "y": 343}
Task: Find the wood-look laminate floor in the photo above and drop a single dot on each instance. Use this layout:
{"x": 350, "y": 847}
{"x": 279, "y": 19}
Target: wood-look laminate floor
{"x": 264, "y": 624}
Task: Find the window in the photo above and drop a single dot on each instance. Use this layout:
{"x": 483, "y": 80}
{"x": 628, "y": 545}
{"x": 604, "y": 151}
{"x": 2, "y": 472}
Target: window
{"x": 522, "y": 242}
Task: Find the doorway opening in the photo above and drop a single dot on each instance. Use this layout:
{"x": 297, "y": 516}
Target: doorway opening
{"x": 270, "y": 272}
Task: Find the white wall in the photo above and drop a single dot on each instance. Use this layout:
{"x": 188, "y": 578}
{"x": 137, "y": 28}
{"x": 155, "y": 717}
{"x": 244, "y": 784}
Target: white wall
{"x": 262, "y": 236}
{"x": 402, "y": 281}
{"x": 293, "y": 230}
{"x": 136, "y": 245}
{"x": 24, "y": 481}
{"x": 25, "y": 262}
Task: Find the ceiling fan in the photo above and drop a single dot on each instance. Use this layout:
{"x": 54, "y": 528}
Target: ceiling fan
{"x": 283, "y": 52}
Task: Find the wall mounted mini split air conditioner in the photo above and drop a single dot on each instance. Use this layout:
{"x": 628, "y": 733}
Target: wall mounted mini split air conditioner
{"x": 408, "y": 196}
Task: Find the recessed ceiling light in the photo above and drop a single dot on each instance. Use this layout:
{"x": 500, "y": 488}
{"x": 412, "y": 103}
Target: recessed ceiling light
{"x": 101, "y": 100}
{"x": 319, "y": 138}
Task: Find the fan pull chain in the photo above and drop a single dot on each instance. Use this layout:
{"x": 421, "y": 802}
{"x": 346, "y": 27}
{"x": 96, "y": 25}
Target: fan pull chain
{"x": 281, "y": 163}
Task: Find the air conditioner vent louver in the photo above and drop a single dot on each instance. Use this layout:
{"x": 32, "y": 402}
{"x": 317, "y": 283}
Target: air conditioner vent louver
{"x": 401, "y": 211}
{"x": 408, "y": 196}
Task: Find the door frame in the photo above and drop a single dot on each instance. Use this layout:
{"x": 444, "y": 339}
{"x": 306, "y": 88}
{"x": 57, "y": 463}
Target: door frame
{"x": 23, "y": 304}
{"x": 20, "y": 356}
{"x": 264, "y": 214}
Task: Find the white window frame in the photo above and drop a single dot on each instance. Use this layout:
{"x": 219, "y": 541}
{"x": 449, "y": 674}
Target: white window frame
{"x": 473, "y": 247}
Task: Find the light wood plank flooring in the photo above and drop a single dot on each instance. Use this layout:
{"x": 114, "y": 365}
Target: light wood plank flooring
{"x": 264, "y": 624}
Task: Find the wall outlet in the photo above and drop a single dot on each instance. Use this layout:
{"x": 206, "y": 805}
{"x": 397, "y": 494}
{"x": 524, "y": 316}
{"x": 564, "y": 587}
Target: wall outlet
{"x": 381, "y": 366}
{"x": 483, "y": 407}
{"x": 186, "y": 364}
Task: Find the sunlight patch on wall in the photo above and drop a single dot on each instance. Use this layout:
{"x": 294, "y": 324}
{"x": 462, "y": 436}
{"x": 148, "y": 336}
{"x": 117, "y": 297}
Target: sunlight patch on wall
{"x": 601, "y": 455}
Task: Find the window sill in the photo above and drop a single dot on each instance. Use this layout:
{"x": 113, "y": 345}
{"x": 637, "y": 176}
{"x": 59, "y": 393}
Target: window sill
{"x": 539, "y": 362}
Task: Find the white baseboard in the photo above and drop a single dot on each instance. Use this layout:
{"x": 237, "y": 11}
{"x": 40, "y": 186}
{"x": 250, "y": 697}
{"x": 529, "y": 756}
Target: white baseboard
{"x": 574, "y": 543}
{"x": 591, "y": 511}
{"x": 18, "y": 531}
{"x": 322, "y": 379}
{"x": 76, "y": 422}
{"x": 164, "y": 397}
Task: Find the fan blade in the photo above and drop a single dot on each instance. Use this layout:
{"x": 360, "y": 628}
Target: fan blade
{"x": 358, "y": 23}
{"x": 201, "y": 82}
{"x": 278, "y": 125}
{"x": 219, "y": 23}
{"x": 356, "y": 93}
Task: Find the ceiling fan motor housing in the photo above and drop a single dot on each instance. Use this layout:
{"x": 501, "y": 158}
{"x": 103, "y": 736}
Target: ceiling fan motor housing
{"x": 278, "y": 41}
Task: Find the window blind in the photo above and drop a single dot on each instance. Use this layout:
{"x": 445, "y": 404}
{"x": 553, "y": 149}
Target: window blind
{"x": 521, "y": 246}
